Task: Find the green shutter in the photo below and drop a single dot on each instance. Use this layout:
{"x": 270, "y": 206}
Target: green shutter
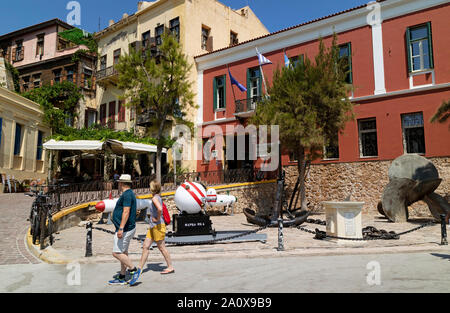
{"x": 215, "y": 94}
{"x": 408, "y": 49}
{"x": 224, "y": 91}
{"x": 350, "y": 67}
{"x": 430, "y": 45}
{"x": 248, "y": 84}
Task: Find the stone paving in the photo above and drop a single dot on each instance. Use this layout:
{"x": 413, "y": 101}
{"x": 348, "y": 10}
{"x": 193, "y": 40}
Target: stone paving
{"x": 72, "y": 242}
{"x": 14, "y": 211}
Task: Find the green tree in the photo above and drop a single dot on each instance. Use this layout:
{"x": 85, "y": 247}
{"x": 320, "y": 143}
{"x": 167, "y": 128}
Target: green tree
{"x": 159, "y": 84}
{"x": 442, "y": 114}
{"x": 309, "y": 102}
{"x": 58, "y": 103}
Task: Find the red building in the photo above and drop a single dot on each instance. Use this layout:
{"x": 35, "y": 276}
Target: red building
{"x": 398, "y": 53}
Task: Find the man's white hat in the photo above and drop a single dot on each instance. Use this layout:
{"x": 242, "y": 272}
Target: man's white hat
{"x": 125, "y": 178}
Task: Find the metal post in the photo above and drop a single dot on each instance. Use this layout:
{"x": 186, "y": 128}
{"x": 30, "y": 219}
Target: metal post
{"x": 443, "y": 231}
{"x": 280, "y": 235}
{"x": 89, "y": 240}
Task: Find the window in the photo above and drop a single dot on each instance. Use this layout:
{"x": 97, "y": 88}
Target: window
{"x": 18, "y": 140}
{"x": 57, "y": 75}
{"x": 331, "y": 151}
{"x": 90, "y": 118}
{"x": 419, "y": 48}
{"x": 87, "y": 78}
{"x": 368, "y": 138}
{"x": 40, "y": 45}
{"x": 206, "y": 39}
{"x": 116, "y": 56}
{"x": 112, "y": 115}
{"x": 18, "y": 56}
{"x": 175, "y": 28}
{"x": 70, "y": 74}
{"x": 233, "y": 38}
{"x": 146, "y": 40}
{"x": 103, "y": 114}
{"x": 36, "y": 80}
{"x": 159, "y": 31}
{"x": 103, "y": 60}
{"x": 121, "y": 117}
{"x": 254, "y": 81}
{"x": 219, "y": 92}
{"x": 345, "y": 53}
{"x": 26, "y": 83}
{"x": 413, "y": 133}
{"x": 39, "y": 146}
{"x": 294, "y": 61}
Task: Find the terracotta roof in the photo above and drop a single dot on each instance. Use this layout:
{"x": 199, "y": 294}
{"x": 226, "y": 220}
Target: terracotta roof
{"x": 35, "y": 27}
{"x": 287, "y": 29}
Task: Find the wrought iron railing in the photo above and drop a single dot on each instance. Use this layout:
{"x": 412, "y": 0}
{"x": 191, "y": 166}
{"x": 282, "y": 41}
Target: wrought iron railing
{"x": 247, "y": 105}
{"x": 73, "y": 194}
{"x": 107, "y": 72}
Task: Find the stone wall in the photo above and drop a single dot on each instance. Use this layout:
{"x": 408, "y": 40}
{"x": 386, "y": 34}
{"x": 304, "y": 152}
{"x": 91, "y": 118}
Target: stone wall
{"x": 365, "y": 181}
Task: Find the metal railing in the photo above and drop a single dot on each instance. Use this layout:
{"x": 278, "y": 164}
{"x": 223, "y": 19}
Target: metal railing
{"x": 247, "y": 105}
{"x": 73, "y": 194}
{"x": 107, "y": 72}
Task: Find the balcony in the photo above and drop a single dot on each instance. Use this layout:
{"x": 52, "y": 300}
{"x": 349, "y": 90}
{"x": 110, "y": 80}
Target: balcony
{"x": 246, "y": 107}
{"x": 108, "y": 74}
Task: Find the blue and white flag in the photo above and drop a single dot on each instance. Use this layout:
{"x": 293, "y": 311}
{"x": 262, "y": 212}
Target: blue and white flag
{"x": 287, "y": 62}
{"x": 262, "y": 59}
{"x": 235, "y": 82}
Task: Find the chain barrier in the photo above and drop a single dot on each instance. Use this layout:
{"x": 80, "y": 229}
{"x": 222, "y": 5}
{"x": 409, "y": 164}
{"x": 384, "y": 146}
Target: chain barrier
{"x": 201, "y": 242}
{"x": 369, "y": 233}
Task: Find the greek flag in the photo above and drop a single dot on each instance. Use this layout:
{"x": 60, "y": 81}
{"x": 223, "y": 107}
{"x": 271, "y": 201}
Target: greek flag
{"x": 235, "y": 82}
{"x": 287, "y": 62}
{"x": 262, "y": 59}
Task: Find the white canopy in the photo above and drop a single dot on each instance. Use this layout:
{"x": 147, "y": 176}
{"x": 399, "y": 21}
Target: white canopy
{"x": 92, "y": 145}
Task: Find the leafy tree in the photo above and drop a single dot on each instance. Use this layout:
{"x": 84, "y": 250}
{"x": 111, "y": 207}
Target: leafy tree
{"x": 442, "y": 114}
{"x": 309, "y": 102}
{"x": 158, "y": 84}
{"x": 58, "y": 103}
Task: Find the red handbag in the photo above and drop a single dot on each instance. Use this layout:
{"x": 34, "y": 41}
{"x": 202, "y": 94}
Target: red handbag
{"x": 166, "y": 214}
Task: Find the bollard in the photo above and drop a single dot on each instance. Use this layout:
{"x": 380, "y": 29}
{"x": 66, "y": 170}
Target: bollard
{"x": 89, "y": 240}
{"x": 443, "y": 231}
{"x": 280, "y": 235}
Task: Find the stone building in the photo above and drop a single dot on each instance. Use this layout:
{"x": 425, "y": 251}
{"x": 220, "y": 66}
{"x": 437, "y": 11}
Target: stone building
{"x": 43, "y": 57}
{"x": 200, "y": 26}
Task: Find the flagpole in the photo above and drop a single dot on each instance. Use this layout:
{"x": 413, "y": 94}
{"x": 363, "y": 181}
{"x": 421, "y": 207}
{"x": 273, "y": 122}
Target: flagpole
{"x": 232, "y": 88}
{"x": 262, "y": 72}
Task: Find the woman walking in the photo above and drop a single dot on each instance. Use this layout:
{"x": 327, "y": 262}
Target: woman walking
{"x": 156, "y": 233}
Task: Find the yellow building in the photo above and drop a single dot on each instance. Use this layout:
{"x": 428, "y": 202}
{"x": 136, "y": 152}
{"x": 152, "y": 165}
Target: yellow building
{"x": 21, "y": 137}
{"x": 201, "y": 26}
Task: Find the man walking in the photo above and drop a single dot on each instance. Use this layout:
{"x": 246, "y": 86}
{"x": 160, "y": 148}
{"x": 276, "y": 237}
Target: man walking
{"x": 124, "y": 219}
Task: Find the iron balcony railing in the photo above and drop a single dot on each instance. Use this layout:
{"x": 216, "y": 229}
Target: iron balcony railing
{"x": 107, "y": 72}
{"x": 247, "y": 105}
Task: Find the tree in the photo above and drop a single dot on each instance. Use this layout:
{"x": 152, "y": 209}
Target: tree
{"x": 159, "y": 84}
{"x": 309, "y": 101}
{"x": 442, "y": 114}
{"x": 58, "y": 103}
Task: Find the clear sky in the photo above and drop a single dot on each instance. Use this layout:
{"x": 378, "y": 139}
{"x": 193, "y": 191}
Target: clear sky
{"x": 275, "y": 14}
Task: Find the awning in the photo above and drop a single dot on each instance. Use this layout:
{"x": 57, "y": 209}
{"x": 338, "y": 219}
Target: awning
{"x": 118, "y": 147}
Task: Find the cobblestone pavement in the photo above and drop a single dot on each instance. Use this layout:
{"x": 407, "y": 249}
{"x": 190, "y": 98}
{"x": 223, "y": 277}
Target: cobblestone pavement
{"x": 72, "y": 242}
{"x": 14, "y": 209}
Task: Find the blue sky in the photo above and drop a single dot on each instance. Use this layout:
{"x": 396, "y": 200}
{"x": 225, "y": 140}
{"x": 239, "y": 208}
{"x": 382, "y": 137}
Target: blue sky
{"x": 275, "y": 14}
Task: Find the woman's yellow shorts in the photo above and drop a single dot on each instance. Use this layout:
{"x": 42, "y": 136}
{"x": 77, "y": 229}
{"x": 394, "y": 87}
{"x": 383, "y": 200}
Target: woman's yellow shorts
{"x": 157, "y": 233}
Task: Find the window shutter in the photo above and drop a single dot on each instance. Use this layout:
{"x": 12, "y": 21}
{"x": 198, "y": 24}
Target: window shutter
{"x": 350, "y": 67}
{"x": 82, "y": 81}
{"x": 14, "y": 50}
{"x": 22, "y": 52}
{"x": 215, "y": 94}
{"x": 209, "y": 44}
{"x": 408, "y": 49}
{"x": 225, "y": 91}
{"x": 430, "y": 45}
